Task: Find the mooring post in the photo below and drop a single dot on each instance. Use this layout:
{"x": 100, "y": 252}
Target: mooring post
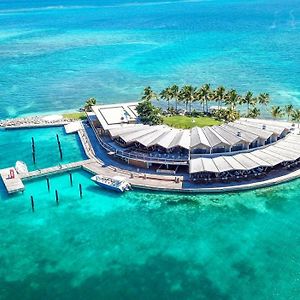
{"x": 59, "y": 147}
{"x": 80, "y": 190}
{"x": 48, "y": 184}
{"x": 33, "y": 150}
{"x": 32, "y": 203}
{"x": 57, "y": 138}
{"x": 33, "y": 157}
{"x": 33, "y": 144}
{"x": 61, "y": 154}
{"x": 71, "y": 179}
{"x": 56, "y": 197}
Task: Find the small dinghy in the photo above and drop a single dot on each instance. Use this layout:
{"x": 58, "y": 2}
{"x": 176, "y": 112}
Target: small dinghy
{"x": 21, "y": 167}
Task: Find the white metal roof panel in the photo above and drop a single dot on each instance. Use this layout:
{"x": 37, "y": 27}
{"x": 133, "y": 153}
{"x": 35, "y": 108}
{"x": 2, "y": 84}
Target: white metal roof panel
{"x": 222, "y": 164}
{"x": 133, "y": 136}
{"x": 167, "y": 139}
{"x": 271, "y": 159}
{"x": 196, "y": 165}
{"x": 263, "y": 134}
{"x": 275, "y": 129}
{"x": 114, "y": 132}
{"x": 245, "y": 135}
{"x": 148, "y": 139}
{"x": 236, "y": 165}
{"x": 246, "y": 161}
{"x": 198, "y": 138}
{"x": 209, "y": 165}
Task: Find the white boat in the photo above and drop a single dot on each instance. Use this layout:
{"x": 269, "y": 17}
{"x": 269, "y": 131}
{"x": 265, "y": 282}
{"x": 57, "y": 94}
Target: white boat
{"x": 116, "y": 183}
{"x": 21, "y": 167}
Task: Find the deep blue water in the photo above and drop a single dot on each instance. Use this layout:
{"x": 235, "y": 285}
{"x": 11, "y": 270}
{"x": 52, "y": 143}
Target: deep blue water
{"x": 55, "y": 54}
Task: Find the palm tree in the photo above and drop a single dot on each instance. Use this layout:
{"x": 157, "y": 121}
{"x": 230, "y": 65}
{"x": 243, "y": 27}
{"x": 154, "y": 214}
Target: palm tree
{"x": 205, "y": 89}
{"x": 254, "y": 113}
{"x": 166, "y": 94}
{"x": 220, "y": 93}
{"x": 187, "y": 94}
{"x": 249, "y": 100}
{"x": 148, "y": 94}
{"x": 230, "y": 115}
{"x": 199, "y": 98}
{"x": 289, "y": 110}
{"x": 89, "y": 103}
{"x": 232, "y": 99}
{"x": 296, "y": 116}
{"x": 263, "y": 99}
{"x": 175, "y": 94}
{"x": 276, "y": 112}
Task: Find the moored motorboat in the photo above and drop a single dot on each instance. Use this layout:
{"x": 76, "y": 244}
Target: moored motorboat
{"x": 117, "y": 183}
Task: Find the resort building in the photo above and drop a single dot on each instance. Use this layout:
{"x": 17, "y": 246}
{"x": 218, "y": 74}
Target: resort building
{"x": 114, "y": 115}
{"x": 243, "y": 148}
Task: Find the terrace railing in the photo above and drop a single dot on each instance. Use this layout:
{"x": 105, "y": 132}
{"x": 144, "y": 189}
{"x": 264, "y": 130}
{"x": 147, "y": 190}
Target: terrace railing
{"x": 137, "y": 156}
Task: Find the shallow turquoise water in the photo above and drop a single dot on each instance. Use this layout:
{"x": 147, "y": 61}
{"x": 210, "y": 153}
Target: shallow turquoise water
{"x": 16, "y": 145}
{"x": 143, "y": 245}
{"x": 56, "y": 53}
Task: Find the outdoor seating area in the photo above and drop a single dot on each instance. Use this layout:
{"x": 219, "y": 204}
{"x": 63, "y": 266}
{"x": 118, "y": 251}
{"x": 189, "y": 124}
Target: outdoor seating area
{"x": 284, "y": 154}
{"x": 229, "y": 176}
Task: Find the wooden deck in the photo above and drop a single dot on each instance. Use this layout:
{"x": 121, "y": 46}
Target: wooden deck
{"x": 56, "y": 169}
{"x": 12, "y": 185}
{"x": 137, "y": 180}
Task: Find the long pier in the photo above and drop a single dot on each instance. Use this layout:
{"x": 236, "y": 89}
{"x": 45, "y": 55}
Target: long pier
{"x": 55, "y": 170}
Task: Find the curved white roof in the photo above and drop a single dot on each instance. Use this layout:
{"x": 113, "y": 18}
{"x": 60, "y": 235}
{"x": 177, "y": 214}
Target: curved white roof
{"x": 226, "y": 135}
{"x": 283, "y": 151}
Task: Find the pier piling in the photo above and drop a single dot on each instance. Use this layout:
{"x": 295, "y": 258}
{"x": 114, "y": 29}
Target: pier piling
{"x": 48, "y": 184}
{"x": 56, "y": 197}
{"x": 33, "y": 150}
{"x": 80, "y": 190}
{"x": 32, "y": 203}
{"x": 33, "y": 144}
{"x": 71, "y": 179}
{"x": 33, "y": 157}
{"x": 59, "y": 147}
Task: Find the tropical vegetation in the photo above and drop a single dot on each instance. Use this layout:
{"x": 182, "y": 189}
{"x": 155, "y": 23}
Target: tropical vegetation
{"x": 148, "y": 113}
{"x": 219, "y": 104}
{"x": 187, "y": 122}
{"x": 75, "y": 116}
{"x": 89, "y": 103}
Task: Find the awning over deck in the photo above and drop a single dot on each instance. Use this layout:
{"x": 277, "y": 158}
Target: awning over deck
{"x": 283, "y": 151}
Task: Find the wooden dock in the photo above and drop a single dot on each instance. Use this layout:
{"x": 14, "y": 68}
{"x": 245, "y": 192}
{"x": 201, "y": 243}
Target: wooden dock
{"x": 56, "y": 169}
{"x": 137, "y": 180}
{"x": 12, "y": 185}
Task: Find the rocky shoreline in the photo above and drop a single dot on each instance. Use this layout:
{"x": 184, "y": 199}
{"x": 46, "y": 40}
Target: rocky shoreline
{"x": 35, "y": 121}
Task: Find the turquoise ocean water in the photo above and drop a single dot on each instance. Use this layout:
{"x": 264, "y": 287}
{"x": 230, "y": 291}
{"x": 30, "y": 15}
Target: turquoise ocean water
{"x": 56, "y": 53}
{"x": 141, "y": 245}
